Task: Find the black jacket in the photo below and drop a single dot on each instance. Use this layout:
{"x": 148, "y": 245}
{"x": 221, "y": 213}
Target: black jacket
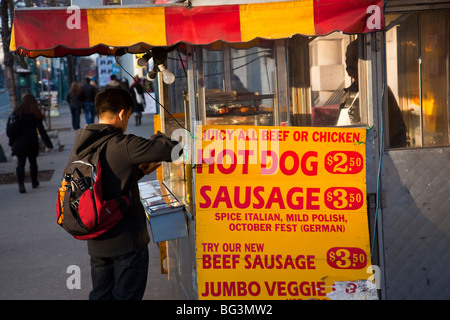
{"x": 122, "y": 156}
{"x": 89, "y": 92}
{"x": 23, "y": 137}
{"x": 74, "y": 101}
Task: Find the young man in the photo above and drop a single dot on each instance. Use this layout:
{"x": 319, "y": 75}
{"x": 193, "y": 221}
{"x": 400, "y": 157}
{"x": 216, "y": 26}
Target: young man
{"x": 119, "y": 257}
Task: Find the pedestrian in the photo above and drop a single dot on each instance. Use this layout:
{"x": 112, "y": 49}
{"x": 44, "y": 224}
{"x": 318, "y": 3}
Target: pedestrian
{"x": 125, "y": 85}
{"x": 89, "y": 92}
{"x": 119, "y": 257}
{"x": 137, "y": 92}
{"x": 113, "y": 82}
{"x": 75, "y": 103}
{"x": 22, "y": 130}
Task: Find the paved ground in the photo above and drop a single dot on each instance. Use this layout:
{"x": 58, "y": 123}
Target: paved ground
{"x": 35, "y": 253}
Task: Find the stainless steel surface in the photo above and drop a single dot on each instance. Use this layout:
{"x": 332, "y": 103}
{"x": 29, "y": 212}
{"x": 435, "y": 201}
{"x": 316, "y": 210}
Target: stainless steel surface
{"x": 416, "y": 223}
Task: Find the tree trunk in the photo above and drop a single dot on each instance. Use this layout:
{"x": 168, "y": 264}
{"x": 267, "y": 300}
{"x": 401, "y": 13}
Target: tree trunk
{"x": 6, "y": 5}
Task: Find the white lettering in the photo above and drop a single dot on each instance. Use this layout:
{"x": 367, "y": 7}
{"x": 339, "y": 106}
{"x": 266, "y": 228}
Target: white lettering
{"x": 74, "y": 21}
{"x": 374, "y": 21}
{"x": 74, "y": 281}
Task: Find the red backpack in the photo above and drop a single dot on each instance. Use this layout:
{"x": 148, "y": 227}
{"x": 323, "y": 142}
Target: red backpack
{"x": 80, "y": 207}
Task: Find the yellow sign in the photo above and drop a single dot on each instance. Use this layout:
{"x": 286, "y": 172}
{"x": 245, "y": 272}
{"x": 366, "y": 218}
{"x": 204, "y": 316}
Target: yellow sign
{"x": 280, "y": 212}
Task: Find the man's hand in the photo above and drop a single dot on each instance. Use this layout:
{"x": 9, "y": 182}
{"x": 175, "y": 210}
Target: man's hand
{"x": 157, "y": 134}
{"x": 148, "y": 168}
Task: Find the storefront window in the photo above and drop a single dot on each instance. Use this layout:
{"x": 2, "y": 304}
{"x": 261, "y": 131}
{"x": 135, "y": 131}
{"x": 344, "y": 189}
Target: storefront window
{"x": 324, "y": 84}
{"x": 417, "y": 55}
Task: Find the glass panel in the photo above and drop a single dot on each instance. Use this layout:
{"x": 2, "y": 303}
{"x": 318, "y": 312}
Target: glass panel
{"x": 253, "y": 69}
{"x": 403, "y": 80}
{"x": 177, "y": 64}
{"x": 213, "y": 69}
{"x": 239, "y": 83}
{"x": 434, "y": 42}
{"x": 417, "y": 50}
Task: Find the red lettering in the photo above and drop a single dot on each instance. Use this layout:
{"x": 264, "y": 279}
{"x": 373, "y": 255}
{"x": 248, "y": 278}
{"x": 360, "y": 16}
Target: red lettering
{"x": 217, "y": 261}
{"x": 312, "y": 170}
{"x": 273, "y": 162}
{"x": 310, "y": 199}
{"x": 246, "y": 154}
{"x": 241, "y": 288}
{"x": 206, "y": 261}
{"x": 247, "y": 198}
{"x": 242, "y": 197}
{"x": 222, "y": 196}
{"x": 220, "y": 161}
{"x": 299, "y": 200}
{"x": 293, "y": 288}
{"x": 270, "y": 290}
{"x": 207, "y": 199}
{"x": 256, "y": 193}
{"x": 295, "y": 165}
{"x": 275, "y": 197}
{"x": 209, "y": 161}
{"x": 288, "y": 162}
{"x": 279, "y": 262}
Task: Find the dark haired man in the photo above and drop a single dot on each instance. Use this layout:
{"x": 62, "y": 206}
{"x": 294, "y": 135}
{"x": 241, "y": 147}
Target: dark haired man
{"x": 350, "y": 102}
{"x": 119, "y": 257}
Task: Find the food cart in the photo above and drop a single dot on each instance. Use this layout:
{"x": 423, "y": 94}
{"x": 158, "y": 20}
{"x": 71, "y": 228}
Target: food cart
{"x": 290, "y": 187}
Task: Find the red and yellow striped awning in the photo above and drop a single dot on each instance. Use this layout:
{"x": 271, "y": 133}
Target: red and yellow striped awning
{"x": 55, "y": 32}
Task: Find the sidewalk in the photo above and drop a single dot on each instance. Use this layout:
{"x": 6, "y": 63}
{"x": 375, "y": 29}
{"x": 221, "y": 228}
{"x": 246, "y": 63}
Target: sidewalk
{"x": 35, "y": 252}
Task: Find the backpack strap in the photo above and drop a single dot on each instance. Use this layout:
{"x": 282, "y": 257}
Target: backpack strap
{"x": 95, "y": 151}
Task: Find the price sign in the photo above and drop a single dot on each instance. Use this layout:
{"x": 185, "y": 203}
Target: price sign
{"x": 346, "y": 258}
{"x": 344, "y": 198}
{"x": 344, "y": 162}
{"x": 273, "y": 201}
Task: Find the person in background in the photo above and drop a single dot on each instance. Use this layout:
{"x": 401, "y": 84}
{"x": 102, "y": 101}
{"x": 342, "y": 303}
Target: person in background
{"x": 75, "y": 103}
{"x": 350, "y": 101}
{"x": 137, "y": 92}
{"x": 94, "y": 84}
{"x": 113, "y": 82}
{"x": 23, "y": 139}
{"x": 125, "y": 85}
{"x": 88, "y": 96}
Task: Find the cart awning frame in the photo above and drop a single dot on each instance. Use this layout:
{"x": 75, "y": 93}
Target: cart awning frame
{"x": 56, "y": 32}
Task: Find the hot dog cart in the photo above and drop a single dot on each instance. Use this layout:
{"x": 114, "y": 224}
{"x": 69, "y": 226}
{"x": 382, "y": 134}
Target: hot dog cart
{"x": 292, "y": 185}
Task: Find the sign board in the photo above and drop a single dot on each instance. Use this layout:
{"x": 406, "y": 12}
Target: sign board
{"x": 281, "y": 213}
{"x": 150, "y": 103}
{"x": 106, "y": 66}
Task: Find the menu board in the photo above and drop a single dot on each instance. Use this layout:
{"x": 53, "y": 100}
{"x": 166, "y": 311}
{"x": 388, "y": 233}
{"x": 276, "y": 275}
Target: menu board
{"x": 281, "y": 212}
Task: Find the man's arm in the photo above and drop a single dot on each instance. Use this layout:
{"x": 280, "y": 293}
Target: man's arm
{"x": 157, "y": 149}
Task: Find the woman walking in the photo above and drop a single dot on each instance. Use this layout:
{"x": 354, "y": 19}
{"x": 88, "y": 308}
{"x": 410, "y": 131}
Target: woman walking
{"x": 74, "y": 99}
{"x": 23, "y": 139}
